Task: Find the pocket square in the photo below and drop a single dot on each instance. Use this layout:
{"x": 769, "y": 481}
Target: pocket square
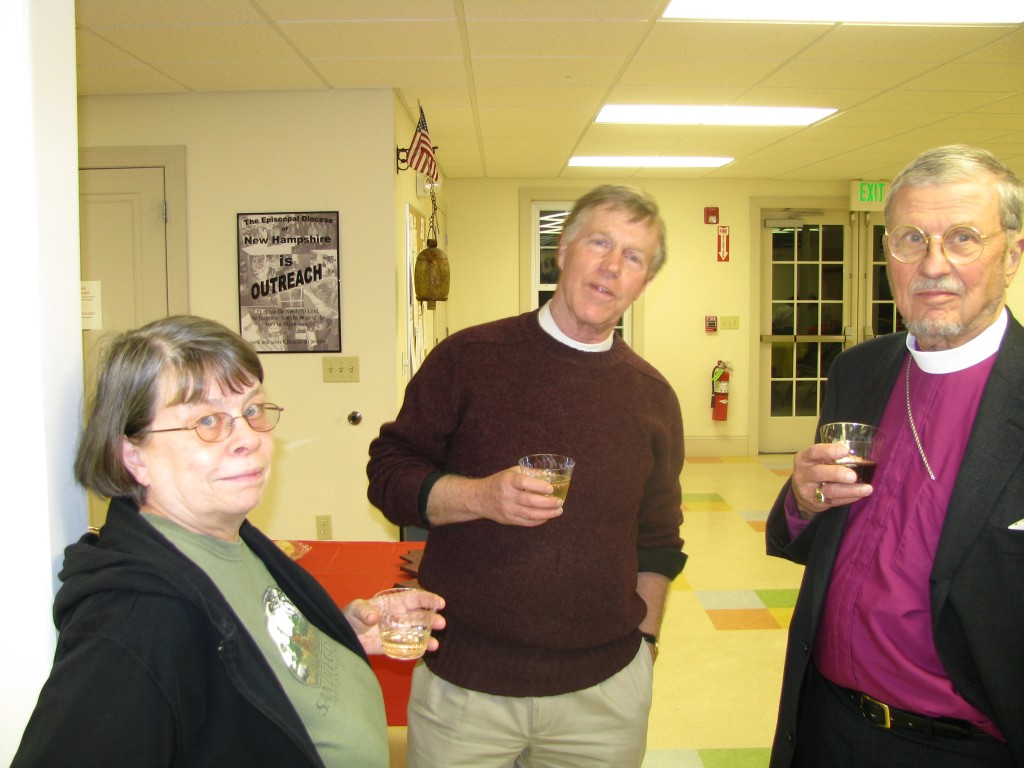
{"x": 1018, "y": 526}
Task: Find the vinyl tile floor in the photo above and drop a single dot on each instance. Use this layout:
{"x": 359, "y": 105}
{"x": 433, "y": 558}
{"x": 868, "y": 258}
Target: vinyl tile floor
{"x": 717, "y": 680}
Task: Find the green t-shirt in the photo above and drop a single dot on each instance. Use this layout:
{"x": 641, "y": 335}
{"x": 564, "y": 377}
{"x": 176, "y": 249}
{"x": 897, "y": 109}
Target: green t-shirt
{"x": 334, "y": 691}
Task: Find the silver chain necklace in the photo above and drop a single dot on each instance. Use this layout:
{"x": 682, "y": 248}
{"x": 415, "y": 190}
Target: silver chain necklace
{"x": 913, "y": 427}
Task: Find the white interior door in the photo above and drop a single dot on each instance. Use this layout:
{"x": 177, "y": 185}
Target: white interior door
{"x": 124, "y": 250}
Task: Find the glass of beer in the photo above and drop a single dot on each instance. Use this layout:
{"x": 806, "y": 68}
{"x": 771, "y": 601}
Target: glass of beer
{"x": 862, "y": 440}
{"x": 552, "y": 467}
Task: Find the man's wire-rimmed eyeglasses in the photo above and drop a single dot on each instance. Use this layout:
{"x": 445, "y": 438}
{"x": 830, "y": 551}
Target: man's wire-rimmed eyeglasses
{"x": 961, "y": 244}
{"x": 215, "y": 427}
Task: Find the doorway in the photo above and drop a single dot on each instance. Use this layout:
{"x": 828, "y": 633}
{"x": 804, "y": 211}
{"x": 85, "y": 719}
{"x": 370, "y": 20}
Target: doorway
{"x": 824, "y": 289}
{"x": 132, "y": 249}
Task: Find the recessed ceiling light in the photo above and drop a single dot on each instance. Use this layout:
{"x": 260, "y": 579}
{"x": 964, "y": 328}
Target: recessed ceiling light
{"x": 863, "y": 12}
{"x": 653, "y": 161}
{"x": 681, "y": 114}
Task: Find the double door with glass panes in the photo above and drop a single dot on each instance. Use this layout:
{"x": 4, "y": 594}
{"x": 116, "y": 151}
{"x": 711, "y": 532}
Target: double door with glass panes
{"x": 824, "y": 288}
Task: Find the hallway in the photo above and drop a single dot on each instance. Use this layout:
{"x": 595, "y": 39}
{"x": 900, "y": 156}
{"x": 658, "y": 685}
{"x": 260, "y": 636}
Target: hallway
{"x": 717, "y": 680}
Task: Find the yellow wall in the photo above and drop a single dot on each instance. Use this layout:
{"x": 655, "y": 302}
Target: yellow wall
{"x": 266, "y": 152}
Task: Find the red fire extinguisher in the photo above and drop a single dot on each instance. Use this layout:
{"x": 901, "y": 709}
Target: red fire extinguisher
{"x": 720, "y": 391}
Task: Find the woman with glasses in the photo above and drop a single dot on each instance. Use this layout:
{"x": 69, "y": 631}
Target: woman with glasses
{"x": 171, "y": 650}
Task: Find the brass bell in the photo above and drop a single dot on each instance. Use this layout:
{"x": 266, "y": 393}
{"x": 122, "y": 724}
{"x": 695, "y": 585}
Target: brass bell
{"x": 432, "y": 275}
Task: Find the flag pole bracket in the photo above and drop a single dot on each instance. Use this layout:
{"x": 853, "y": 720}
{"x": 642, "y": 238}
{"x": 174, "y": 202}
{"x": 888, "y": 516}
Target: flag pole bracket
{"x": 402, "y": 158}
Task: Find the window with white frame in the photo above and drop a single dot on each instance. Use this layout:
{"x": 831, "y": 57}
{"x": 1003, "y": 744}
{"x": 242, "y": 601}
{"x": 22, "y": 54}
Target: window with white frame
{"x": 547, "y": 219}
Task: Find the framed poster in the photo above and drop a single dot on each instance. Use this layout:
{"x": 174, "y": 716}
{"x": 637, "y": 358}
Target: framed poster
{"x": 289, "y": 281}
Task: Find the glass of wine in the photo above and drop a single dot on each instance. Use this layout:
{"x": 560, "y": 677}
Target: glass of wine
{"x": 862, "y": 440}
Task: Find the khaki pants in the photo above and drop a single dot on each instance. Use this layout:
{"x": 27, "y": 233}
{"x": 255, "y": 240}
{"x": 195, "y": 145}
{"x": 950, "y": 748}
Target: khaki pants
{"x": 604, "y": 726}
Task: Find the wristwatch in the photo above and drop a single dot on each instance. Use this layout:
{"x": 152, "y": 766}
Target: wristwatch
{"x": 652, "y": 639}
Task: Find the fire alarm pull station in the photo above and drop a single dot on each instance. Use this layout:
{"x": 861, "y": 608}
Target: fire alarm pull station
{"x": 710, "y": 323}
{"x": 711, "y": 215}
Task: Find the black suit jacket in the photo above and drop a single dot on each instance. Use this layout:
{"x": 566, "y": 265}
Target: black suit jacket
{"x": 977, "y": 580}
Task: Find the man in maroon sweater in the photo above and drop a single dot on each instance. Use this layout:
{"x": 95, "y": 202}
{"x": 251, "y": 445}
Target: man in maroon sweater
{"x": 544, "y": 659}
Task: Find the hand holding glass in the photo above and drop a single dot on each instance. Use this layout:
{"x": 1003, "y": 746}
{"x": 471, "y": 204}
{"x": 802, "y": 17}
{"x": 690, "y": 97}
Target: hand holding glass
{"x": 862, "y": 440}
{"x": 551, "y": 467}
{"x": 406, "y": 616}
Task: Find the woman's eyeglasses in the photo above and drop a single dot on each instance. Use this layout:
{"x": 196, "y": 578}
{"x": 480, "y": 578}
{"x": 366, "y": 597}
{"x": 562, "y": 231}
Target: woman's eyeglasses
{"x": 215, "y": 427}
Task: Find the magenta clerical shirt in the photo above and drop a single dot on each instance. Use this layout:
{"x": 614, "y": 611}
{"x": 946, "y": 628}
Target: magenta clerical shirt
{"x": 875, "y": 634}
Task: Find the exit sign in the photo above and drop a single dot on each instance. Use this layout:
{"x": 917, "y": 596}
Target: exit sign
{"x": 867, "y": 195}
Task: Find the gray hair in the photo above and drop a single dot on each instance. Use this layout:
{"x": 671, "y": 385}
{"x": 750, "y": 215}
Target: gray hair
{"x": 191, "y": 354}
{"x": 637, "y": 204}
{"x": 959, "y": 162}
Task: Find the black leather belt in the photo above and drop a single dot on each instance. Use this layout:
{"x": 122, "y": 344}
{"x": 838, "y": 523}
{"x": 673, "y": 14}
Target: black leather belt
{"x": 885, "y": 716}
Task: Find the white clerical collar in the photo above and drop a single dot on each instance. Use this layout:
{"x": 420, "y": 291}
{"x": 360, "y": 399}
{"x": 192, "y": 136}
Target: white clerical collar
{"x": 547, "y": 322}
{"x": 981, "y": 347}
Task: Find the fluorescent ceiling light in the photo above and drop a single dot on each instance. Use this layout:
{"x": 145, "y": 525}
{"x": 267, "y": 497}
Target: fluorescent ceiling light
{"x": 863, "y": 12}
{"x": 678, "y": 114}
{"x": 645, "y": 161}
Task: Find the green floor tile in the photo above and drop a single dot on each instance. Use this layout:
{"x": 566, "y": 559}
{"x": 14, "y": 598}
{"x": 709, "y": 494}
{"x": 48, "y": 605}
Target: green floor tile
{"x": 734, "y": 758}
{"x": 778, "y": 598}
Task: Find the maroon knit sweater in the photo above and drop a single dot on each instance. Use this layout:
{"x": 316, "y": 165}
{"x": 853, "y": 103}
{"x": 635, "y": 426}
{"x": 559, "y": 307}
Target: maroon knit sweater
{"x": 549, "y": 609}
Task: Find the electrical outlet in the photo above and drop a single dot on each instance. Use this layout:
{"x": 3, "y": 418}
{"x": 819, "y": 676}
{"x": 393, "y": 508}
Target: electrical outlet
{"x": 341, "y": 369}
{"x": 324, "y": 529}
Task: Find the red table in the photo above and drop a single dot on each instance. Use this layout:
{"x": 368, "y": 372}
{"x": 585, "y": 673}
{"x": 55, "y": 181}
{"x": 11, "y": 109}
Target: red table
{"x": 351, "y": 569}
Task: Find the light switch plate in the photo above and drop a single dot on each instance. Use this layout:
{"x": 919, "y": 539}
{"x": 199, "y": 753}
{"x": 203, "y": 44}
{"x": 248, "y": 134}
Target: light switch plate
{"x": 340, "y": 368}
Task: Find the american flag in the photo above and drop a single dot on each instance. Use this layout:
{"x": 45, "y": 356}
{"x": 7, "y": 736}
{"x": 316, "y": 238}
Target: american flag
{"x": 421, "y": 153}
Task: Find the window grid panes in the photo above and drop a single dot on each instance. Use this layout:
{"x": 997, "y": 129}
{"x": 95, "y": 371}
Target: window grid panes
{"x": 549, "y": 224}
{"x": 807, "y": 300}
{"x": 884, "y": 317}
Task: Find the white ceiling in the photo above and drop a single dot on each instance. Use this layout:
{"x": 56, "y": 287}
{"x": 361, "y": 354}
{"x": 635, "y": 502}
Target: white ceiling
{"x": 511, "y": 88}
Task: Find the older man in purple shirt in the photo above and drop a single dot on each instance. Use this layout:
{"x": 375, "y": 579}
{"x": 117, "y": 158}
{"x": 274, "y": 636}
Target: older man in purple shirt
{"x": 905, "y": 646}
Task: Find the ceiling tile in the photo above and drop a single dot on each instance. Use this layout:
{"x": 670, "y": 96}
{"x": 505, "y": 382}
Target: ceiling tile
{"x": 619, "y": 10}
{"x": 889, "y": 44}
{"x": 723, "y": 40}
{"x": 352, "y": 10}
{"x": 117, "y": 80}
{"x": 148, "y": 13}
{"x": 541, "y": 38}
{"x": 541, "y": 96}
{"x": 263, "y": 75}
{"x": 374, "y": 39}
{"x": 422, "y": 73}
{"x": 220, "y": 42}
{"x": 825, "y": 74}
{"x": 720, "y": 73}
{"x": 519, "y": 70}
